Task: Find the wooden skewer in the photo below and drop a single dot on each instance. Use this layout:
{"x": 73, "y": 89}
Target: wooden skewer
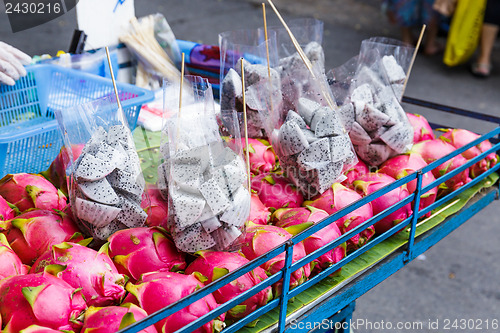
{"x": 302, "y": 55}
{"x": 267, "y": 56}
{"x": 413, "y": 58}
{"x": 113, "y": 80}
{"x": 247, "y": 150}
{"x": 181, "y": 85}
{"x": 436, "y": 213}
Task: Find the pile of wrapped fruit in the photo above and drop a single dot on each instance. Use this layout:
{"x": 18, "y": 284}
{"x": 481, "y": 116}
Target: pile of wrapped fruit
{"x": 102, "y": 249}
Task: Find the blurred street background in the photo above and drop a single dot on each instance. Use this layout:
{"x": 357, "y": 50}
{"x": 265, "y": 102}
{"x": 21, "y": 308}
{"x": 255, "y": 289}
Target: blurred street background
{"x": 458, "y": 277}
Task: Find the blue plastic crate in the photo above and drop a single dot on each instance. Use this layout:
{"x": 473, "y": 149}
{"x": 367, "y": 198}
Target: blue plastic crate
{"x": 29, "y": 134}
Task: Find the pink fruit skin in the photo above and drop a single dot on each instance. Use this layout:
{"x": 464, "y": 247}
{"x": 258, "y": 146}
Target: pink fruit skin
{"x": 432, "y": 150}
{"x": 6, "y": 212}
{"x": 27, "y": 191}
{"x": 260, "y": 239}
{"x": 338, "y": 197}
{"x": 262, "y": 157}
{"x": 159, "y": 289}
{"x": 421, "y": 128}
{"x": 276, "y": 191}
{"x": 83, "y": 267}
{"x": 56, "y": 173}
{"x": 213, "y": 265}
{"x": 38, "y": 329}
{"x": 108, "y": 319}
{"x": 461, "y": 137}
{"x": 259, "y": 213}
{"x": 372, "y": 182}
{"x": 156, "y": 208}
{"x": 10, "y": 264}
{"x": 35, "y": 231}
{"x": 142, "y": 250}
{"x": 287, "y": 217}
{"x": 403, "y": 165}
{"x": 353, "y": 173}
{"x": 39, "y": 299}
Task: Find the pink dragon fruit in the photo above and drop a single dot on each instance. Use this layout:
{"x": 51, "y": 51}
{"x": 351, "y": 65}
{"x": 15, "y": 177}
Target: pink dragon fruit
{"x": 260, "y": 239}
{"x": 213, "y": 265}
{"x": 156, "y": 208}
{"x": 288, "y": 217}
{"x": 461, "y": 137}
{"x": 403, "y": 165}
{"x": 39, "y": 329}
{"x": 157, "y": 290}
{"x": 10, "y": 264}
{"x": 421, "y": 128}
{"x": 338, "y": 197}
{"x": 25, "y": 191}
{"x": 56, "y": 173}
{"x": 85, "y": 268}
{"x": 40, "y": 299}
{"x": 432, "y": 150}
{"x": 353, "y": 173}
{"x": 259, "y": 213}
{"x": 276, "y": 191}
{"x": 372, "y": 182}
{"x": 142, "y": 250}
{"x": 262, "y": 157}
{"x": 113, "y": 318}
{"x": 6, "y": 211}
{"x": 34, "y": 232}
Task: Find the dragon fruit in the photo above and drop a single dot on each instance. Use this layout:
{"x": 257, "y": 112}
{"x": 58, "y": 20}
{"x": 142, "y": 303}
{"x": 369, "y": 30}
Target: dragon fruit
{"x": 6, "y": 211}
{"x": 461, "y": 137}
{"x": 157, "y": 290}
{"x": 141, "y": 250}
{"x": 34, "y": 232}
{"x": 113, "y": 318}
{"x": 56, "y": 173}
{"x": 372, "y": 182}
{"x": 40, "y": 299}
{"x": 25, "y": 191}
{"x": 421, "y": 128}
{"x": 355, "y": 171}
{"x": 432, "y": 150}
{"x": 213, "y": 265}
{"x": 259, "y": 213}
{"x": 39, "y": 329}
{"x": 403, "y": 165}
{"x": 276, "y": 191}
{"x": 262, "y": 157}
{"x": 83, "y": 267}
{"x": 260, "y": 239}
{"x": 10, "y": 264}
{"x": 156, "y": 208}
{"x": 338, "y": 197}
{"x": 288, "y": 217}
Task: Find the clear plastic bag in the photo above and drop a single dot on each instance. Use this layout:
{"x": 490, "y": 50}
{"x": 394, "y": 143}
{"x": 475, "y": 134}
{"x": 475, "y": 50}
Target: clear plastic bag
{"x": 106, "y": 185}
{"x": 206, "y": 181}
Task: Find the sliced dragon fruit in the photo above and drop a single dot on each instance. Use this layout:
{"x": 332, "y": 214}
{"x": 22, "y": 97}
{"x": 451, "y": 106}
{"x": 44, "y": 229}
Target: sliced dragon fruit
{"x": 187, "y": 207}
{"x": 214, "y": 195}
{"x": 187, "y": 176}
{"x": 102, "y": 233}
{"x": 238, "y": 212}
{"x": 231, "y": 89}
{"x": 92, "y": 168}
{"x": 291, "y": 139}
{"x": 211, "y": 224}
{"x": 95, "y": 213}
{"x": 116, "y": 156}
{"x": 131, "y": 214}
{"x": 394, "y": 71}
{"x": 316, "y": 155}
{"x": 326, "y": 123}
{"x": 323, "y": 178}
{"x": 358, "y": 135}
{"x": 346, "y": 114}
{"x": 307, "y": 108}
{"x": 126, "y": 182}
{"x": 366, "y": 74}
{"x": 340, "y": 148}
{"x": 295, "y": 117}
{"x": 226, "y": 236}
{"x": 370, "y": 118}
{"x": 119, "y": 134}
{"x": 163, "y": 173}
{"x": 100, "y": 191}
{"x": 97, "y": 137}
{"x": 194, "y": 238}
{"x": 399, "y": 137}
{"x": 363, "y": 94}
{"x": 192, "y": 156}
{"x": 374, "y": 154}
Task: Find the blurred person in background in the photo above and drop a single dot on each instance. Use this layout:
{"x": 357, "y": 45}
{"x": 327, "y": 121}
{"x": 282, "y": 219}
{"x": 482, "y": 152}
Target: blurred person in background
{"x": 482, "y": 66}
{"x": 410, "y": 14}
{"x": 12, "y": 63}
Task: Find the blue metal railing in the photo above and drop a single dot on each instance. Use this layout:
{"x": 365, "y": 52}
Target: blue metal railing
{"x": 287, "y": 247}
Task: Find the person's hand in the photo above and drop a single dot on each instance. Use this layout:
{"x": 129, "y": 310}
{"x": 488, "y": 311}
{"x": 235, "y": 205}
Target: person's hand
{"x": 11, "y": 64}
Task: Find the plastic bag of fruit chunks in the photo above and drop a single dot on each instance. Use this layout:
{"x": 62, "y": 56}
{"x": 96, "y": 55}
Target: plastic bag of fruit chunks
{"x": 378, "y": 126}
{"x": 251, "y": 46}
{"x": 209, "y": 199}
{"x": 106, "y": 184}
